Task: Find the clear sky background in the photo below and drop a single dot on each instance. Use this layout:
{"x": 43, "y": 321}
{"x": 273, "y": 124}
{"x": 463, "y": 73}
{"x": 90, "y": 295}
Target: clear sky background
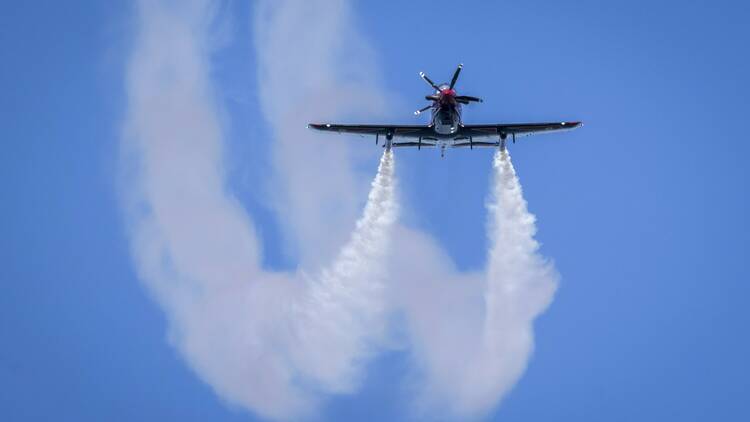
{"x": 643, "y": 210}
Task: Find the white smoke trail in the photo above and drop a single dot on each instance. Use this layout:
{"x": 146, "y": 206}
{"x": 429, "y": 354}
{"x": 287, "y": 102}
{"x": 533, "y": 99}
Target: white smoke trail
{"x": 345, "y": 304}
{"x": 312, "y": 66}
{"x": 520, "y": 282}
{"x": 475, "y": 357}
{"x": 520, "y": 285}
{"x": 262, "y": 340}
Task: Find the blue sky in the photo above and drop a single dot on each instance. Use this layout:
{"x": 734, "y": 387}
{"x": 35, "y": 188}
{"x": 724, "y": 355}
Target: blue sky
{"x": 642, "y": 210}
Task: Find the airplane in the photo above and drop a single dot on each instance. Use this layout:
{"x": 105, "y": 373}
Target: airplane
{"x": 446, "y": 128}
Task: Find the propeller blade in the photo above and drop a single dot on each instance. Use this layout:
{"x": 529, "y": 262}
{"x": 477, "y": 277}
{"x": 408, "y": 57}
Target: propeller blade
{"x": 429, "y": 81}
{"x": 455, "y": 75}
{"x": 468, "y": 98}
{"x": 418, "y": 112}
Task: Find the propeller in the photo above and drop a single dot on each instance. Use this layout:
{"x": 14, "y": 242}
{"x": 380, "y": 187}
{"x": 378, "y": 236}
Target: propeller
{"x": 455, "y": 75}
{"x": 418, "y": 112}
{"x": 429, "y": 81}
{"x": 438, "y": 95}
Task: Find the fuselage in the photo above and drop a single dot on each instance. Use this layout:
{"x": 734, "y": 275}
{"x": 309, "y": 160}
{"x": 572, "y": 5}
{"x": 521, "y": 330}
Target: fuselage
{"x": 446, "y": 112}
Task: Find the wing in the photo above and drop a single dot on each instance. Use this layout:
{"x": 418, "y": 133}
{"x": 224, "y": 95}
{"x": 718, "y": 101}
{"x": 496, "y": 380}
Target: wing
{"x": 515, "y": 129}
{"x": 427, "y": 136}
{"x": 401, "y": 131}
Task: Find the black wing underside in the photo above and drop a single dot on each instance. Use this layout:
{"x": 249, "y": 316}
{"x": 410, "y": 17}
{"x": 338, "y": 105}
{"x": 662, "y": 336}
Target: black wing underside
{"x": 399, "y": 131}
{"x": 466, "y": 134}
{"x": 493, "y": 130}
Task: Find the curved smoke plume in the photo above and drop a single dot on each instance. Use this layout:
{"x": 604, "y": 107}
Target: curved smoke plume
{"x": 268, "y": 341}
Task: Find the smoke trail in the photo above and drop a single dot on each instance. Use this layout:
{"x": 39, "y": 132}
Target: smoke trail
{"x": 521, "y": 282}
{"x": 346, "y": 302}
{"x": 270, "y": 342}
{"x": 520, "y": 285}
{"x": 312, "y": 66}
{"x": 475, "y": 357}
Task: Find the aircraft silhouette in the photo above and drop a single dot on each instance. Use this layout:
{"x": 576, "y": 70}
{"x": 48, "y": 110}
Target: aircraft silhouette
{"x": 446, "y": 128}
